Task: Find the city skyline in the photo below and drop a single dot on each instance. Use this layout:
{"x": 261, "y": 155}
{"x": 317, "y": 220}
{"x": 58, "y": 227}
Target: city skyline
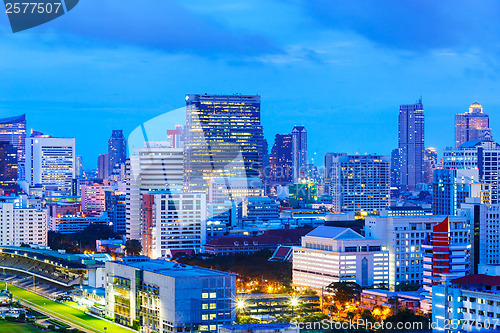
{"x": 120, "y": 71}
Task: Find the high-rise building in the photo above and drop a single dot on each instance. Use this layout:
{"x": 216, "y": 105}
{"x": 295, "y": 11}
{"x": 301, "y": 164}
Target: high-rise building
{"x": 50, "y": 162}
{"x": 117, "y": 152}
{"x": 165, "y": 296}
{"x": 103, "y": 166}
{"x": 13, "y": 130}
{"x": 481, "y": 155}
{"x": 430, "y": 164}
{"x": 360, "y": 183}
{"x": 153, "y": 168}
{"x": 8, "y": 167}
{"x": 280, "y": 161}
{"x": 79, "y": 171}
{"x": 299, "y": 152}
{"x": 411, "y": 144}
{"x": 173, "y": 222}
{"x": 473, "y": 125}
{"x": 93, "y": 198}
{"x": 395, "y": 167}
{"x": 22, "y": 223}
{"x": 117, "y": 210}
{"x": 223, "y": 139}
{"x": 235, "y": 189}
{"x": 329, "y": 169}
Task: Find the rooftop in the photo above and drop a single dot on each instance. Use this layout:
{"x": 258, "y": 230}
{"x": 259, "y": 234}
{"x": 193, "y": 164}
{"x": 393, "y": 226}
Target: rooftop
{"x": 478, "y": 279}
{"x": 335, "y": 233}
{"x": 251, "y": 327}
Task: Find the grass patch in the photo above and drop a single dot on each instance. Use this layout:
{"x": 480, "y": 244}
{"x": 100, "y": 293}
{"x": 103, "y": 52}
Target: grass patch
{"x": 9, "y": 327}
{"x": 65, "y": 312}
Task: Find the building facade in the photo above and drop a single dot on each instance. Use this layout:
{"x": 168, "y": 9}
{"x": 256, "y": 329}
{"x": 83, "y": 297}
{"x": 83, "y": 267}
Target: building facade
{"x": 333, "y": 254}
{"x": 473, "y": 125}
{"x": 281, "y": 167}
{"x": 411, "y": 144}
{"x": 299, "y": 152}
{"x": 50, "y": 162}
{"x": 223, "y": 139}
{"x": 13, "y": 130}
{"x": 22, "y": 224}
{"x": 117, "y": 152}
{"x": 103, "y": 166}
{"x": 164, "y": 296}
{"x": 360, "y": 183}
{"x": 8, "y": 167}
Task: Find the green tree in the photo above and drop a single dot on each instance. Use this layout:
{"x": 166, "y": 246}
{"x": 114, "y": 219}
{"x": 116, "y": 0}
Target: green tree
{"x": 247, "y": 320}
{"x": 133, "y": 247}
{"x": 343, "y": 292}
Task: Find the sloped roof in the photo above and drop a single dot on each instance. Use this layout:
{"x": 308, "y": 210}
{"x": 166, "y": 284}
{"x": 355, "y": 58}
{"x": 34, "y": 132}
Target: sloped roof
{"x": 272, "y": 237}
{"x": 335, "y": 233}
{"x": 487, "y": 280}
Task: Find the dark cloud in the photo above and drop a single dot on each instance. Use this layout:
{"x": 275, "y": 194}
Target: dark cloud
{"x": 164, "y": 25}
{"x": 420, "y": 26}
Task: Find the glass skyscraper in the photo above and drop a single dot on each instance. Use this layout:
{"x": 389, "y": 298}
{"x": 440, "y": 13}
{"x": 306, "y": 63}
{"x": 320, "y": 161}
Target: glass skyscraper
{"x": 117, "y": 151}
{"x": 281, "y": 159}
{"x": 13, "y": 130}
{"x": 299, "y": 152}
{"x": 223, "y": 139}
{"x": 8, "y": 167}
{"x": 411, "y": 144}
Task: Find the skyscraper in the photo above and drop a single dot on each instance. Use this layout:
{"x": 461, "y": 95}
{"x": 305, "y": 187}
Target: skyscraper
{"x": 411, "y": 144}
{"x": 299, "y": 152}
{"x": 117, "y": 152}
{"x": 360, "y": 183}
{"x": 103, "y": 166}
{"x": 472, "y": 126}
{"x": 8, "y": 167}
{"x": 280, "y": 161}
{"x": 13, "y": 130}
{"x": 79, "y": 172}
{"x": 50, "y": 162}
{"x": 224, "y": 139}
{"x": 329, "y": 169}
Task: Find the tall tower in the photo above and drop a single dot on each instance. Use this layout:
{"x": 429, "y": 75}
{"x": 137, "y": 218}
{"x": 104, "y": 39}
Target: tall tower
{"x": 472, "y": 126}
{"x": 280, "y": 160}
{"x": 223, "y": 139}
{"x": 117, "y": 151}
{"x": 13, "y": 130}
{"x": 299, "y": 152}
{"x": 411, "y": 144}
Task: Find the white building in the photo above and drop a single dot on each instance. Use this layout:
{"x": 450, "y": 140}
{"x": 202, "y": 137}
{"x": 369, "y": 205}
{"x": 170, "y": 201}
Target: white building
{"x": 177, "y": 222}
{"x": 484, "y": 221}
{"x": 403, "y": 237}
{"x": 152, "y": 168}
{"x": 93, "y": 198}
{"x": 360, "y": 183}
{"x": 173, "y": 297}
{"x": 50, "y": 162}
{"x": 467, "y": 304}
{"x": 20, "y": 223}
{"x": 333, "y": 254}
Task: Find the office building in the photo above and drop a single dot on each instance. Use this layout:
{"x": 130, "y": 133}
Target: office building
{"x": 280, "y": 162}
{"x": 165, "y": 296}
{"x": 8, "y": 167}
{"x": 403, "y": 237}
{"x": 175, "y": 137}
{"x": 117, "y": 152}
{"x": 472, "y": 301}
{"x": 117, "y": 211}
{"x": 103, "y": 166}
{"x": 93, "y": 198}
{"x": 473, "y": 125}
{"x": 79, "y": 171}
{"x": 13, "y": 130}
{"x": 21, "y": 223}
{"x": 430, "y": 164}
{"x": 411, "y": 144}
{"x": 299, "y": 152}
{"x": 329, "y": 170}
{"x": 173, "y": 222}
{"x": 484, "y": 221}
{"x": 234, "y": 189}
{"x": 303, "y": 193}
{"x": 395, "y": 167}
{"x": 333, "y": 254}
{"x": 259, "y": 209}
{"x": 360, "y": 183}
{"x": 446, "y": 253}
{"x": 223, "y": 139}
{"x": 153, "y": 168}
{"x": 70, "y": 223}
{"x": 50, "y": 162}
{"x": 481, "y": 155}
{"x": 451, "y": 187}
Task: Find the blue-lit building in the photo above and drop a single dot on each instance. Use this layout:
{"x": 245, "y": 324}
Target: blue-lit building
{"x": 117, "y": 152}
{"x": 224, "y": 139}
{"x": 117, "y": 211}
{"x": 8, "y": 167}
{"x": 13, "y": 130}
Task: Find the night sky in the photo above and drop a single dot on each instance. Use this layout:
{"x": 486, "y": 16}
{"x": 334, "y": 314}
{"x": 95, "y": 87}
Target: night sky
{"x": 339, "y": 68}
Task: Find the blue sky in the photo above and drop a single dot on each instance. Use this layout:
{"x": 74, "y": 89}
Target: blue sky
{"x": 339, "y": 68}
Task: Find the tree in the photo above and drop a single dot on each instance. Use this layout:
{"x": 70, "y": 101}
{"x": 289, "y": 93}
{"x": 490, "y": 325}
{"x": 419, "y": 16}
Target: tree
{"x": 133, "y": 247}
{"x": 343, "y": 292}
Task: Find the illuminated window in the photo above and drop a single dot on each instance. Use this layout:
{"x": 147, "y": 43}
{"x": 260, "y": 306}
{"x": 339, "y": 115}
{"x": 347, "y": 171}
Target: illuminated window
{"x": 212, "y": 295}
{"x": 204, "y": 295}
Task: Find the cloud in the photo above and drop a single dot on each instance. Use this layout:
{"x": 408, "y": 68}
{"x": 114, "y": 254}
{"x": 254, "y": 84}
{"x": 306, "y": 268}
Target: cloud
{"x": 419, "y": 26}
{"x": 163, "y": 25}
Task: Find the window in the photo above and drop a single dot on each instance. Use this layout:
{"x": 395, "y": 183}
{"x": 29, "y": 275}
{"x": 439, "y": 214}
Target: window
{"x": 204, "y": 295}
{"x": 213, "y": 295}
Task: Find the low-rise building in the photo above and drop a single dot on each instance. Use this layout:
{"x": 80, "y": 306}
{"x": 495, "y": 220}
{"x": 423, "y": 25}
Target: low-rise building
{"x": 164, "y": 296}
{"x": 260, "y": 328}
{"x": 371, "y": 298}
{"x": 333, "y": 254}
{"x": 271, "y": 306}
